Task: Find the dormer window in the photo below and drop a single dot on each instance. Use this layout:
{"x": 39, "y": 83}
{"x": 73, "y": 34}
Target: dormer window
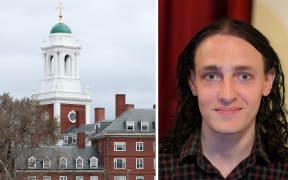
{"x": 32, "y": 163}
{"x": 46, "y": 163}
{"x": 144, "y": 126}
{"x": 93, "y": 162}
{"x": 79, "y": 162}
{"x": 62, "y": 162}
{"x": 130, "y": 125}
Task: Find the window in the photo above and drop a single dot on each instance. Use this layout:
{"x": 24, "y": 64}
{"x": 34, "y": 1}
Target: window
{"x": 139, "y": 146}
{"x": 119, "y": 163}
{"x": 130, "y": 125}
{"x": 31, "y": 177}
{"x": 67, "y": 64}
{"x": 119, "y": 146}
{"x": 139, "y": 163}
{"x": 65, "y": 139}
{"x": 93, "y": 177}
{"x": 70, "y": 139}
{"x": 119, "y": 177}
{"x": 62, "y": 162}
{"x": 139, "y": 178}
{"x": 74, "y": 139}
{"x": 51, "y": 65}
{"x": 93, "y": 162}
{"x": 46, "y": 177}
{"x": 79, "y": 178}
{"x": 144, "y": 126}
{"x": 46, "y": 163}
{"x": 63, "y": 178}
{"x": 79, "y": 162}
{"x": 72, "y": 116}
{"x": 154, "y": 146}
{"x": 32, "y": 163}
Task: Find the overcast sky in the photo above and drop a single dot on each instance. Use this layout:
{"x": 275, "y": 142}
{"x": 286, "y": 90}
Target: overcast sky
{"x": 117, "y": 39}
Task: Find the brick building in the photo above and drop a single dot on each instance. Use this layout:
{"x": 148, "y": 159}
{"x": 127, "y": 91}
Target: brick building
{"x": 119, "y": 149}
{"x": 127, "y": 146}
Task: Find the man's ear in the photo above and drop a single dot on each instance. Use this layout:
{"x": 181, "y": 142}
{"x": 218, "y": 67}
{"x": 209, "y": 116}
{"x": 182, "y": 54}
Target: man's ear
{"x": 191, "y": 82}
{"x": 269, "y": 79}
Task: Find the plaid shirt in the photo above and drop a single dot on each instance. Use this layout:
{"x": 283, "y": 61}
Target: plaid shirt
{"x": 191, "y": 164}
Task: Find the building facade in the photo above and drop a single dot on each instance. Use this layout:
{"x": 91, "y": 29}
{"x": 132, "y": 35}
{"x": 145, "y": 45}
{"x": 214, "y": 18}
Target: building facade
{"x": 119, "y": 149}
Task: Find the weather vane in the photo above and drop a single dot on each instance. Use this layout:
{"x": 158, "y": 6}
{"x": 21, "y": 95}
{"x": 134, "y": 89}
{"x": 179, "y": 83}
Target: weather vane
{"x": 60, "y": 8}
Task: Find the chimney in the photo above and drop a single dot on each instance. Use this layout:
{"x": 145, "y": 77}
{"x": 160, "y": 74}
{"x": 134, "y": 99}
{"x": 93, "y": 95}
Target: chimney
{"x": 81, "y": 140}
{"x": 99, "y": 114}
{"x": 129, "y": 106}
{"x": 120, "y": 104}
{"x": 78, "y": 119}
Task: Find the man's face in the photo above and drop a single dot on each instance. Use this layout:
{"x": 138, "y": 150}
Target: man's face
{"x": 229, "y": 82}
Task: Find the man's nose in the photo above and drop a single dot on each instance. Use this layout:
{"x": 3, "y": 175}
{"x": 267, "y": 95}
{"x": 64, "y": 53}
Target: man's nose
{"x": 227, "y": 91}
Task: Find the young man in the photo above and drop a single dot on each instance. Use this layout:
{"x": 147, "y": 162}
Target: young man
{"x": 231, "y": 120}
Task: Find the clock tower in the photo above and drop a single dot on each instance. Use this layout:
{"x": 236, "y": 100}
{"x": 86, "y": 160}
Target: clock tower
{"x": 60, "y": 93}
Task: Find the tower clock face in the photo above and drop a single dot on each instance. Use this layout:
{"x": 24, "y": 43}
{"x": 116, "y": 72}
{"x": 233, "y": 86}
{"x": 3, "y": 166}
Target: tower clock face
{"x": 72, "y": 116}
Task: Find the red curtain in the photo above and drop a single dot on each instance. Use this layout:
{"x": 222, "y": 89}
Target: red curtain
{"x": 178, "y": 21}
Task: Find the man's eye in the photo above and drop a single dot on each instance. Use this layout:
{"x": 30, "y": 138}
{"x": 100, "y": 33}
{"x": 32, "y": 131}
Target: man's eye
{"x": 211, "y": 76}
{"x": 245, "y": 76}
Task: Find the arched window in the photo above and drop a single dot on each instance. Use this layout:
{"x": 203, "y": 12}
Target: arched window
{"x": 79, "y": 162}
{"x": 51, "y": 65}
{"x": 67, "y": 64}
{"x": 93, "y": 162}
{"x": 32, "y": 162}
{"x": 62, "y": 162}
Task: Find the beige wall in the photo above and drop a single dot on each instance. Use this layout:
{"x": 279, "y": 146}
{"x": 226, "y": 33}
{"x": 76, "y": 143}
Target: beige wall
{"x": 271, "y": 18}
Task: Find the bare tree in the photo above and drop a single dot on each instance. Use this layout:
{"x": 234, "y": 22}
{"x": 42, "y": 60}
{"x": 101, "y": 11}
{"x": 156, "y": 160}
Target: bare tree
{"x": 22, "y": 124}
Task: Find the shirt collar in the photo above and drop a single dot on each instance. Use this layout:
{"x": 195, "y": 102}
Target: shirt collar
{"x": 192, "y": 148}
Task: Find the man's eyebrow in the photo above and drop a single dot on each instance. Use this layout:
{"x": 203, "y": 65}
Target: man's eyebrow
{"x": 243, "y": 68}
{"x": 211, "y": 68}
{"x": 218, "y": 68}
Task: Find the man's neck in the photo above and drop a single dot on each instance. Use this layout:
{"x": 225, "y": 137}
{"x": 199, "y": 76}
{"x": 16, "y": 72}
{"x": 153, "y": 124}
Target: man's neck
{"x": 225, "y": 151}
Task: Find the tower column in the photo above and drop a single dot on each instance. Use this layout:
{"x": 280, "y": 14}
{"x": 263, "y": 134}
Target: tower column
{"x": 57, "y": 111}
{"x": 87, "y": 114}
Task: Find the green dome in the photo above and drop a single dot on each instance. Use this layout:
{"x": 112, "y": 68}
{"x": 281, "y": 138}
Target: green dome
{"x": 60, "y": 28}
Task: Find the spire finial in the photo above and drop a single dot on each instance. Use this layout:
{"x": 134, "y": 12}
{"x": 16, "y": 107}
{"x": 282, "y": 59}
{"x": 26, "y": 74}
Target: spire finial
{"x": 60, "y": 8}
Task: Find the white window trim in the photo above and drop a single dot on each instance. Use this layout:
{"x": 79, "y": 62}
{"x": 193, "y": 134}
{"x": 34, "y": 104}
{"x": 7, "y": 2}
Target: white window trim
{"x": 30, "y": 177}
{"x": 79, "y": 158}
{"x": 46, "y": 177}
{"x": 142, "y": 164}
{"x": 121, "y": 177}
{"x": 93, "y": 162}
{"x": 123, "y": 161}
{"x": 62, "y": 177}
{"x": 139, "y": 144}
{"x": 74, "y": 139}
{"x": 128, "y": 124}
{"x": 144, "y": 123}
{"x": 62, "y": 159}
{"x": 66, "y": 139}
{"x": 116, "y": 144}
{"x": 79, "y": 178}
{"x": 139, "y": 177}
{"x": 30, "y": 165}
{"x": 46, "y": 163}
{"x": 93, "y": 177}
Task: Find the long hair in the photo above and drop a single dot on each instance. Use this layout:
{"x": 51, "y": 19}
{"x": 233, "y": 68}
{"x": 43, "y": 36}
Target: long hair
{"x": 271, "y": 117}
